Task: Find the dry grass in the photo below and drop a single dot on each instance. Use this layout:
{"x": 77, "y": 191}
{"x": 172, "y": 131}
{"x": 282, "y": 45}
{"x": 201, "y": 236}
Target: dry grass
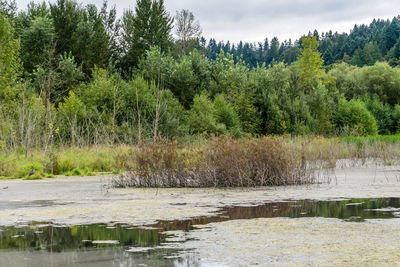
{"x": 224, "y": 162}
{"x": 202, "y": 161}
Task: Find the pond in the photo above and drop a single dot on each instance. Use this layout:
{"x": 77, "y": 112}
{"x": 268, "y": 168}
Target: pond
{"x": 111, "y": 244}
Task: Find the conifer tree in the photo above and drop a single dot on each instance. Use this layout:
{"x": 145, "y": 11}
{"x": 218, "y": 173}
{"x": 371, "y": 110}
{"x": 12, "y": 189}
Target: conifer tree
{"x": 150, "y": 25}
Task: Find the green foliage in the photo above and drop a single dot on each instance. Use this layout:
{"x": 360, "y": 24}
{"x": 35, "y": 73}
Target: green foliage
{"x": 243, "y": 104}
{"x": 24, "y": 170}
{"x": 321, "y": 107}
{"x": 369, "y": 55}
{"x": 36, "y": 42}
{"x": 83, "y": 31}
{"x": 384, "y": 81}
{"x": 310, "y": 63}
{"x": 226, "y": 115}
{"x": 173, "y": 116}
{"x": 10, "y": 66}
{"x": 71, "y": 114}
{"x": 382, "y": 112}
{"x": 8, "y": 8}
{"x": 66, "y": 15}
{"x": 69, "y": 74}
{"x": 355, "y": 115}
{"x": 89, "y": 82}
{"x": 184, "y": 83}
{"x": 150, "y": 25}
{"x": 396, "y": 118}
{"x": 91, "y": 41}
{"x": 76, "y": 172}
{"x": 156, "y": 66}
{"x": 103, "y": 93}
{"x": 348, "y": 80}
{"x": 202, "y": 118}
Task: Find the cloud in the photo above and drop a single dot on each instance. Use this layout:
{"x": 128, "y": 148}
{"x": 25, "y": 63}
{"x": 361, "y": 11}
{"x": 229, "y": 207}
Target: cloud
{"x": 254, "y": 20}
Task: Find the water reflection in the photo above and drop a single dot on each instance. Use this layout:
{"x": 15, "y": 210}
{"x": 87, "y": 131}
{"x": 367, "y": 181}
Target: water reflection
{"x": 109, "y": 245}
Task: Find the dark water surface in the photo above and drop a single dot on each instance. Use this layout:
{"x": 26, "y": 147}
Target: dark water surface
{"x": 45, "y": 244}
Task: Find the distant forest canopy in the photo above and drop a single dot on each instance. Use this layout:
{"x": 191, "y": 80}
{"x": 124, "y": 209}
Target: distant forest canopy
{"x": 365, "y": 45}
{"x": 86, "y": 27}
{"x": 77, "y": 75}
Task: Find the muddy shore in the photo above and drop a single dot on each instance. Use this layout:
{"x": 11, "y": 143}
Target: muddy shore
{"x": 276, "y": 241}
{"x": 89, "y": 199}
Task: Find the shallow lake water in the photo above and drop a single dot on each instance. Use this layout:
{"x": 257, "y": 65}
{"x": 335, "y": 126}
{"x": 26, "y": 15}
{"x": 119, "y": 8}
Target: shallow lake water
{"x": 46, "y": 244}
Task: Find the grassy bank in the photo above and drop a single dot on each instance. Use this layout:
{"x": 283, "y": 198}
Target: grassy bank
{"x": 186, "y": 157}
{"x": 66, "y": 161}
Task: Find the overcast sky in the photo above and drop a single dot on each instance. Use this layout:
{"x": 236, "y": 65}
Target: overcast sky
{"x": 254, "y": 20}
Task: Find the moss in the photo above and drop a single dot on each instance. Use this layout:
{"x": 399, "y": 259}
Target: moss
{"x": 36, "y": 176}
{"x": 77, "y": 172}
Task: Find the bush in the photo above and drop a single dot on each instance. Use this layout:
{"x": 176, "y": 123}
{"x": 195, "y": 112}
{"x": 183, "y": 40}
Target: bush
{"x": 154, "y": 165}
{"x": 225, "y": 162}
{"x": 355, "y": 115}
{"x": 23, "y": 171}
{"x": 201, "y": 117}
{"x": 396, "y": 117}
{"x": 225, "y": 114}
{"x": 258, "y": 162}
{"x": 382, "y": 112}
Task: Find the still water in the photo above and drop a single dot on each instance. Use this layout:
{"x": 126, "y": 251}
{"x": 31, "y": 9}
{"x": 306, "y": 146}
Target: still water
{"x": 45, "y": 244}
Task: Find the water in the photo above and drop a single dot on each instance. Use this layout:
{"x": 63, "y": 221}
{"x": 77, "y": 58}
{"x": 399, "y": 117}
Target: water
{"x": 9, "y": 205}
{"x": 45, "y": 244}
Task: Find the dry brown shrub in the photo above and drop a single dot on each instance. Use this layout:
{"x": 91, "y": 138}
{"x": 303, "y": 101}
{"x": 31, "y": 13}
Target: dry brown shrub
{"x": 256, "y": 162}
{"x": 224, "y": 162}
{"x": 154, "y": 165}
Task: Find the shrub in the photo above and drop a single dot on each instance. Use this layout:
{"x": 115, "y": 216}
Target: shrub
{"x": 154, "y": 165}
{"x": 225, "y": 114}
{"x": 258, "y": 162}
{"x": 201, "y": 117}
{"x": 76, "y": 172}
{"x": 225, "y": 162}
{"x": 355, "y": 115}
{"x": 382, "y": 112}
{"x": 396, "y": 117}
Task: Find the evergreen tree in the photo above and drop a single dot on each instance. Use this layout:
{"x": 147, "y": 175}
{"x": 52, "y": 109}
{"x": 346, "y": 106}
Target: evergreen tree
{"x": 91, "y": 41}
{"x": 273, "y": 52}
{"x": 150, "y": 25}
{"x": 8, "y": 8}
{"x": 66, "y": 15}
{"x": 36, "y": 41}
{"x": 393, "y": 55}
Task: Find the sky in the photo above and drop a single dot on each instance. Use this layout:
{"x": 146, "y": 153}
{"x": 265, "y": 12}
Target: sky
{"x": 255, "y": 20}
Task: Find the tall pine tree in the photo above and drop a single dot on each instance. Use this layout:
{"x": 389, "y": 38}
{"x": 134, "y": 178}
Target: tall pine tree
{"x": 150, "y": 25}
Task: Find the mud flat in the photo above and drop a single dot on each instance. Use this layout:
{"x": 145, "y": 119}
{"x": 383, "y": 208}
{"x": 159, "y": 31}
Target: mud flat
{"x": 88, "y": 200}
{"x": 208, "y": 227}
{"x": 297, "y": 242}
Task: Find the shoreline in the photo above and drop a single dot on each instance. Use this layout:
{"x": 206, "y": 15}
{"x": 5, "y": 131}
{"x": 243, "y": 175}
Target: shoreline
{"x": 86, "y": 200}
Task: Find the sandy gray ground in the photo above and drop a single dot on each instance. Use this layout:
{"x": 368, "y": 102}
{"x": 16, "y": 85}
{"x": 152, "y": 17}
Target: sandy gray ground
{"x": 280, "y": 242}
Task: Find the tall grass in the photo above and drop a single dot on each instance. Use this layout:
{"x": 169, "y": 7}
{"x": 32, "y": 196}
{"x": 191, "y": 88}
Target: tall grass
{"x": 69, "y": 161}
{"x": 223, "y": 162}
{"x": 219, "y": 161}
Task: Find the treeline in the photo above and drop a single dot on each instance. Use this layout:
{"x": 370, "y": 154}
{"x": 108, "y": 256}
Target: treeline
{"x": 364, "y": 46}
{"x": 76, "y": 75}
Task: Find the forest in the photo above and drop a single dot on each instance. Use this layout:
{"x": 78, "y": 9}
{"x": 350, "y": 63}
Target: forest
{"x": 79, "y": 75}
